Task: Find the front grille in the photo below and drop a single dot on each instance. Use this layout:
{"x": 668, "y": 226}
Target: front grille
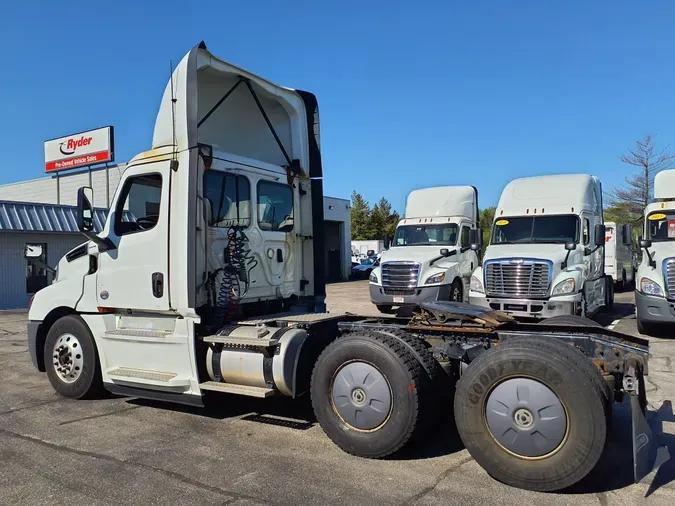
{"x": 517, "y": 278}
{"x": 400, "y": 277}
{"x": 669, "y": 271}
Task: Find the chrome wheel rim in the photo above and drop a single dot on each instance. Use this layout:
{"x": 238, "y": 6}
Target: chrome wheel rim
{"x": 67, "y": 358}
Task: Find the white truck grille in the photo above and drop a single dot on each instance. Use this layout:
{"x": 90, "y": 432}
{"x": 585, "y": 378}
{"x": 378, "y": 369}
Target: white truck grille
{"x": 400, "y": 278}
{"x": 517, "y": 278}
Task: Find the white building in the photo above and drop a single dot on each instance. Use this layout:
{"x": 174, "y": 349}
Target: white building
{"x": 41, "y": 211}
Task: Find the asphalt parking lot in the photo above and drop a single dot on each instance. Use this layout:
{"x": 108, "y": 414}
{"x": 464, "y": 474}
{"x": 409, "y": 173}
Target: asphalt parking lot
{"x": 124, "y": 451}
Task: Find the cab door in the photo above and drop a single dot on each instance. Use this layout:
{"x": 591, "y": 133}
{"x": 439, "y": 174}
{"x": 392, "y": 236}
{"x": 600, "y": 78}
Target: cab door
{"x": 134, "y": 274}
{"x": 468, "y": 259}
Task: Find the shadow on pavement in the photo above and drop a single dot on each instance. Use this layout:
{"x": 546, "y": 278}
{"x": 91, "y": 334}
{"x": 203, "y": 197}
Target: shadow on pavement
{"x": 615, "y": 469}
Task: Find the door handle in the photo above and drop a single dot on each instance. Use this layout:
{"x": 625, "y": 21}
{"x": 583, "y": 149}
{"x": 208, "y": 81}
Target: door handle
{"x": 157, "y": 284}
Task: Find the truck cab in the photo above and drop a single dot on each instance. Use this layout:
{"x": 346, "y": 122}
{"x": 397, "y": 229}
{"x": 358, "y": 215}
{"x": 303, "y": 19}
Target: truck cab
{"x": 546, "y": 252}
{"x": 221, "y": 218}
{"x": 430, "y": 257}
{"x": 655, "y": 286}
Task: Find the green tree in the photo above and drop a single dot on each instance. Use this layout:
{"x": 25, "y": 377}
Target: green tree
{"x": 360, "y": 217}
{"x": 383, "y": 220}
{"x": 487, "y": 216}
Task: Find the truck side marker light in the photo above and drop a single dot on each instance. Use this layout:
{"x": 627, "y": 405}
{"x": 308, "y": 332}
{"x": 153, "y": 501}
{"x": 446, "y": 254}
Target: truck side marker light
{"x": 105, "y": 310}
{"x": 572, "y": 209}
{"x": 663, "y": 204}
{"x": 535, "y": 210}
{"x": 527, "y": 211}
{"x": 542, "y": 210}
{"x": 412, "y": 387}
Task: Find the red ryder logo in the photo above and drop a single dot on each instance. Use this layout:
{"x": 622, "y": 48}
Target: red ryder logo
{"x": 79, "y": 150}
{"x": 68, "y": 147}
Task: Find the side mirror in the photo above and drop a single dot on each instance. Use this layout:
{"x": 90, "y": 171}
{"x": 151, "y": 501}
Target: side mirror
{"x": 570, "y": 246}
{"x": 85, "y": 210}
{"x": 445, "y": 252}
{"x": 32, "y": 251}
{"x": 600, "y": 233}
{"x": 644, "y": 243}
{"x": 475, "y": 239}
{"x": 387, "y": 241}
{"x": 627, "y": 232}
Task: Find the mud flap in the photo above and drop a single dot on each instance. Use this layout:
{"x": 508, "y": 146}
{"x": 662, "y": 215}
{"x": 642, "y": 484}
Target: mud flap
{"x": 644, "y": 445}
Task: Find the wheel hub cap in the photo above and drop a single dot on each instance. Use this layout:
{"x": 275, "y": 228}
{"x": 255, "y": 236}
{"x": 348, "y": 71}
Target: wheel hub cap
{"x": 361, "y": 396}
{"x": 526, "y": 418}
{"x": 68, "y": 359}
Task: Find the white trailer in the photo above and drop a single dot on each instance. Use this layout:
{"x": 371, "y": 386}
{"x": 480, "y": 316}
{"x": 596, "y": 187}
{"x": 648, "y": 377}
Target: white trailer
{"x": 619, "y": 255}
{"x": 360, "y": 249}
{"x": 430, "y": 257}
{"x": 207, "y": 279}
{"x": 546, "y": 253}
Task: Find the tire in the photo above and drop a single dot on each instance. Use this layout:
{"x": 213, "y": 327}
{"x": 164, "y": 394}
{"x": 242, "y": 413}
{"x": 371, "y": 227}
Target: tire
{"x": 377, "y": 354}
{"x": 570, "y": 320}
{"x": 561, "y": 379}
{"x": 79, "y": 374}
{"x": 384, "y": 308}
{"x": 609, "y": 300}
{"x": 456, "y": 291}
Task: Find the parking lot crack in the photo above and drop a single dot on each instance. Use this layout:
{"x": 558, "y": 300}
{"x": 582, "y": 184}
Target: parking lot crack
{"x": 427, "y": 490}
{"x": 108, "y": 458}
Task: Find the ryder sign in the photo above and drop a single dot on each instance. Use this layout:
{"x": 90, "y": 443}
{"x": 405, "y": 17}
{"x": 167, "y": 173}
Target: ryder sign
{"x": 80, "y": 150}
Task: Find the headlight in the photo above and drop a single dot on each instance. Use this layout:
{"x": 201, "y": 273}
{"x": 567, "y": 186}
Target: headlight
{"x": 650, "y": 287}
{"x": 564, "y": 287}
{"x": 476, "y": 284}
{"x": 373, "y": 277}
{"x": 436, "y": 278}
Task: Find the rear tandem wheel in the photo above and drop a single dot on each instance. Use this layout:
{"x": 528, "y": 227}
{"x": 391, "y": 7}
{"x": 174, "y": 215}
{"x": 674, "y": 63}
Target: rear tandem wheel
{"x": 532, "y": 413}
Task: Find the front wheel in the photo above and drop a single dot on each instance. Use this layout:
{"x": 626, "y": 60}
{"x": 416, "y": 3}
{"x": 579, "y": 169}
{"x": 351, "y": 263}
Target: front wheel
{"x": 71, "y": 359}
{"x": 384, "y": 308}
{"x": 456, "y": 292}
{"x": 531, "y": 415}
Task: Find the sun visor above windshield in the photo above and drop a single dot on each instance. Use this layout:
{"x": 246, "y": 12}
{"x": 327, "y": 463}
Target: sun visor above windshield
{"x": 664, "y": 185}
{"x": 239, "y": 114}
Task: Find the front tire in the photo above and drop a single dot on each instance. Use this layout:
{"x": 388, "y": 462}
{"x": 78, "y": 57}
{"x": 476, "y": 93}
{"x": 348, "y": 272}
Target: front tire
{"x": 366, "y": 393}
{"x": 456, "y": 291}
{"x": 500, "y": 405}
{"x": 384, "y": 308}
{"x": 71, "y": 359}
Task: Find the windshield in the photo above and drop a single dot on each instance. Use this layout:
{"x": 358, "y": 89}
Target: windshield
{"x": 536, "y": 230}
{"x": 661, "y": 226}
{"x": 426, "y": 235}
{"x": 368, "y": 261}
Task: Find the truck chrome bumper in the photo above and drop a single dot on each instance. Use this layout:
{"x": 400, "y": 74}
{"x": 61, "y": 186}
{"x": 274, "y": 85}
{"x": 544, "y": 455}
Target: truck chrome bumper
{"x": 419, "y": 295}
{"x": 526, "y": 308}
{"x": 652, "y": 309}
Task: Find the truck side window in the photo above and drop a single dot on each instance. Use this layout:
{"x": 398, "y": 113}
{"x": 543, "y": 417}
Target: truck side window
{"x": 465, "y": 237}
{"x": 587, "y": 231}
{"x": 275, "y": 206}
{"x": 138, "y": 206}
{"x": 229, "y": 199}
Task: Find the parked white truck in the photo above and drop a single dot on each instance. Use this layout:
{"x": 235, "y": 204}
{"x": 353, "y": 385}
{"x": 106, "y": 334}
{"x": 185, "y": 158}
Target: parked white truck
{"x": 655, "y": 287}
{"x": 207, "y": 274}
{"x": 619, "y": 255}
{"x": 546, "y": 252}
{"x": 430, "y": 256}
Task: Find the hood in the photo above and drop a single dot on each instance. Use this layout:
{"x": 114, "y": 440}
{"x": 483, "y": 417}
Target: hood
{"x": 662, "y": 250}
{"x": 556, "y": 253}
{"x": 420, "y": 254}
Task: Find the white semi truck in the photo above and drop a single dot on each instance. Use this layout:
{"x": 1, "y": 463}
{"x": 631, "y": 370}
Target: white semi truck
{"x": 430, "y": 257}
{"x": 207, "y": 280}
{"x": 655, "y": 286}
{"x": 546, "y": 253}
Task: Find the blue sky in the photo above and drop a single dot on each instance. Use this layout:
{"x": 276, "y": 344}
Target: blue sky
{"x": 411, "y": 94}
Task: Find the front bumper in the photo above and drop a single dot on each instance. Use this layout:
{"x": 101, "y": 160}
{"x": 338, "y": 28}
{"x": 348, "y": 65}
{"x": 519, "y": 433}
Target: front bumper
{"x": 33, "y": 327}
{"x": 526, "y": 308}
{"x": 419, "y": 295}
{"x": 652, "y": 309}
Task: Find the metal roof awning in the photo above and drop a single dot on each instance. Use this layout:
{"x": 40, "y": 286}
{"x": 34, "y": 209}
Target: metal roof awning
{"x": 43, "y": 218}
